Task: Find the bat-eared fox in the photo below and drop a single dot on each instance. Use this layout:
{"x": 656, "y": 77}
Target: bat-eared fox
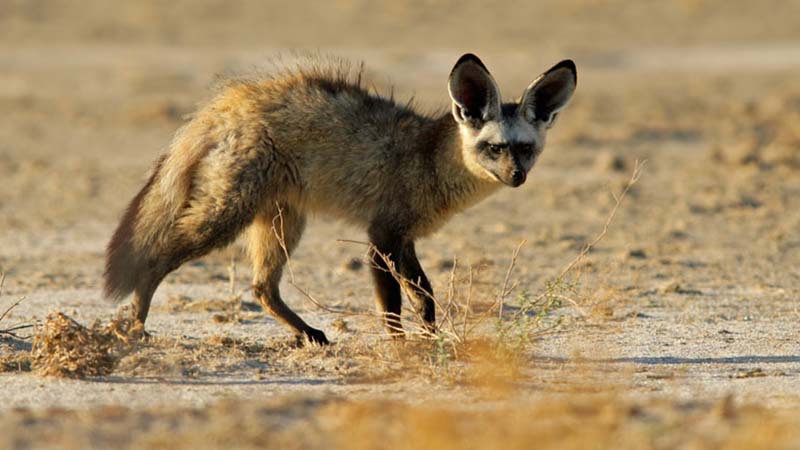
{"x": 314, "y": 140}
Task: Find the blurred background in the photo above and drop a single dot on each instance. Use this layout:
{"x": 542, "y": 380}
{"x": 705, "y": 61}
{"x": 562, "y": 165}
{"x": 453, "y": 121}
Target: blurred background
{"x": 706, "y": 90}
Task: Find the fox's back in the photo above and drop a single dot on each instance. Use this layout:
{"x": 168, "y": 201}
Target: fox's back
{"x": 354, "y": 152}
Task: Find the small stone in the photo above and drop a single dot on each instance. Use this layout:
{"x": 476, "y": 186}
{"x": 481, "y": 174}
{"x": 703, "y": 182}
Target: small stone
{"x": 354, "y": 265}
{"x": 607, "y": 161}
{"x": 340, "y": 325}
{"x": 751, "y": 373}
{"x": 221, "y": 318}
{"x": 748, "y": 202}
{"x": 678, "y": 234}
{"x": 500, "y": 228}
{"x": 637, "y": 253}
{"x": 446, "y": 264}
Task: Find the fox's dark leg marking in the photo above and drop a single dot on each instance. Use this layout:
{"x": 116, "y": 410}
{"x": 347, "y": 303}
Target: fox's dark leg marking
{"x": 143, "y": 294}
{"x": 387, "y": 289}
{"x": 269, "y": 258}
{"x": 421, "y": 288}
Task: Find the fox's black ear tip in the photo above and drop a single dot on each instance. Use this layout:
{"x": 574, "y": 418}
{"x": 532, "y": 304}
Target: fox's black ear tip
{"x": 469, "y": 57}
{"x": 569, "y": 65}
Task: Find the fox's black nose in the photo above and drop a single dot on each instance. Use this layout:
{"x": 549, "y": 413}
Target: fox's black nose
{"x": 518, "y": 177}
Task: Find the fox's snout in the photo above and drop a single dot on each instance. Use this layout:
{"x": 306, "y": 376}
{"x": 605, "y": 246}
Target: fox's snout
{"x": 517, "y": 178}
{"x": 514, "y": 177}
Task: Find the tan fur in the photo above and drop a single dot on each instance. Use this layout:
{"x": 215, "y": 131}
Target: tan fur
{"x": 306, "y": 140}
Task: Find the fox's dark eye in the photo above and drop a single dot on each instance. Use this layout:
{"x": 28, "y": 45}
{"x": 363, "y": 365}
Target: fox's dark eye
{"x": 495, "y": 149}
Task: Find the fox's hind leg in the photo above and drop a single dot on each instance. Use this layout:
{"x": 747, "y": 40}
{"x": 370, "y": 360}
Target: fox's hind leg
{"x": 226, "y": 197}
{"x": 269, "y": 258}
{"x": 143, "y": 294}
{"x": 217, "y": 230}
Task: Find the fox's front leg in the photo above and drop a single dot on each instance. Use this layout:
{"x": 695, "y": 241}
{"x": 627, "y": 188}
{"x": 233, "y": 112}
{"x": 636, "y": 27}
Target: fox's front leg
{"x": 419, "y": 287}
{"x": 388, "y": 250}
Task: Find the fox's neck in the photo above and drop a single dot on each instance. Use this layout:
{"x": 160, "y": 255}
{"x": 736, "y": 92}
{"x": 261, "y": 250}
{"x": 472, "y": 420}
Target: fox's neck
{"x": 454, "y": 186}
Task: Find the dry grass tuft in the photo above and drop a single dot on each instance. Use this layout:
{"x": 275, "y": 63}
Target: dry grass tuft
{"x": 63, "y": 347}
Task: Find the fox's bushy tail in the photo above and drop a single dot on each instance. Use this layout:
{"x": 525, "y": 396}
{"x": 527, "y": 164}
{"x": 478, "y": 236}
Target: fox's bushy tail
{"x": 125, "y": 260}
{"x": 146, "y": 227}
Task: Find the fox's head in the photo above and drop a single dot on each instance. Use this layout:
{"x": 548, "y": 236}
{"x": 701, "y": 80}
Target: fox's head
{"x": 501, "y": 141}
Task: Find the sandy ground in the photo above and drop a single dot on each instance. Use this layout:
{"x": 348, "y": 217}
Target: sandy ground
{"x": 692, "y": 296}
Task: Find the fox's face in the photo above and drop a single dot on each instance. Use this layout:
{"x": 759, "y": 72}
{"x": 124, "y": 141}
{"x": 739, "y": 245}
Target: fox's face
{"x": 501, "y": 141}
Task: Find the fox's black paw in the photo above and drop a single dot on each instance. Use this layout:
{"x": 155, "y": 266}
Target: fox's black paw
{"x": 313, "y": 336}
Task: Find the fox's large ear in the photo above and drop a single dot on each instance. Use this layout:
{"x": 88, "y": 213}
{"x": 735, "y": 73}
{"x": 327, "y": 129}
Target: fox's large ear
{"x": 549, "y": 93}
{"x": 476, "y": 98}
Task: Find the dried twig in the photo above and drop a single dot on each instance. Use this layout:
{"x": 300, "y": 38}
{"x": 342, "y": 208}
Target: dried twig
{"x": 467, "y": 309}
{"x": 504, "y": 291}
{"x": 637, "y": 173}
{"x": 12, "y": 330}
{"x": 232, "y": 276}
{"x": 447, "y": 329}
{"x": 277, "y": 229}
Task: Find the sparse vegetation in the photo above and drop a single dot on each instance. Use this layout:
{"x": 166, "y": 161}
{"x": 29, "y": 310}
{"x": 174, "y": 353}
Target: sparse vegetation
{"x": 12, "y": 360}
{"x": 14, "y": 329}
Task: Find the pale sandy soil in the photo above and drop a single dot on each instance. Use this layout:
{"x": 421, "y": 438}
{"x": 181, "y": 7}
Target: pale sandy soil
{"x": 691, "y": 297}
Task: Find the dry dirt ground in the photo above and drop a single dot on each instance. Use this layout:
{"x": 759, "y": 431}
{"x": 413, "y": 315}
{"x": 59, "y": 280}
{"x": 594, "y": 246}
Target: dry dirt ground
{"x": 680, "y": 329}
